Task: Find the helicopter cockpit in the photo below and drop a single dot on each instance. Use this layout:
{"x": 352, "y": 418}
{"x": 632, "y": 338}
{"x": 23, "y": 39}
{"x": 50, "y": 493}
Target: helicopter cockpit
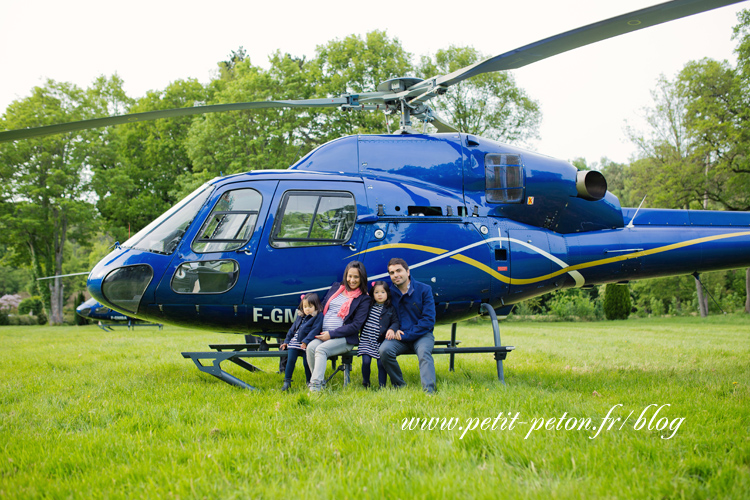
{"x": 165, "y": 233}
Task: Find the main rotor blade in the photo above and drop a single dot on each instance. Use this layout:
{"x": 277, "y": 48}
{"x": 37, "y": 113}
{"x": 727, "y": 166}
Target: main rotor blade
{"x": 580, "y": 37}
{"x": 441, "y": 125}
{"x": 25, "y": 133}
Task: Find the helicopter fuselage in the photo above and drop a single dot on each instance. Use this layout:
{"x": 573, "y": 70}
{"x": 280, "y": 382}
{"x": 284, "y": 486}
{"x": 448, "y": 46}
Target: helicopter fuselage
{"x": 479, "y": 221}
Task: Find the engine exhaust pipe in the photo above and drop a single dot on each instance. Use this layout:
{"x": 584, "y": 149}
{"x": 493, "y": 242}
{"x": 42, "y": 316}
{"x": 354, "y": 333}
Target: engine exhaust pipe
{"x": 591, "y": 185}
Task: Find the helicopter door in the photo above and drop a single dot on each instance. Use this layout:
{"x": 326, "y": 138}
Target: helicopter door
{"x": 208, "y": 275}
{"x": 309, "y": 238}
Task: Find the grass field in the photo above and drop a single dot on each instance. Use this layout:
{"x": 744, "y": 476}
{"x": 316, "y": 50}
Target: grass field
{"x": 85, "y": 413}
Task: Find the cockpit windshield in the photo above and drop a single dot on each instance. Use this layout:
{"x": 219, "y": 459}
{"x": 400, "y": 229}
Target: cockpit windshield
{"x": 165, "y": 233}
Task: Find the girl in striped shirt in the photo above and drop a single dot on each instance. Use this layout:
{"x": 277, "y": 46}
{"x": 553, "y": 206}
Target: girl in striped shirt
{"x": 381, "y": 319}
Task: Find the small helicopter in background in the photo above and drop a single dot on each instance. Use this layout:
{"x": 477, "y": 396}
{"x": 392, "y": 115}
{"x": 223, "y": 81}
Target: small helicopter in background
{"x": 93, "y": 310}
{"x": 480, "y": 221}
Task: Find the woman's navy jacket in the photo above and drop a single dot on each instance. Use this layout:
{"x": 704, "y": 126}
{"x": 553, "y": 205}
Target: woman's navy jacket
{"x": 354, "y": 321}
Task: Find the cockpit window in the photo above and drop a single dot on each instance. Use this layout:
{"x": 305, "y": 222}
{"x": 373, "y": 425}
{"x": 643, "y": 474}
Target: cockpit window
{"x": 165, "y": 233}
{"x": 503, "y": 178}
{"x": 231, "y": 222}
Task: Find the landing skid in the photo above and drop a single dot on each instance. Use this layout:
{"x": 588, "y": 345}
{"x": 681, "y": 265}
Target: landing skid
{"x": 236, "y": 352}
{"x": 107, "y": 327}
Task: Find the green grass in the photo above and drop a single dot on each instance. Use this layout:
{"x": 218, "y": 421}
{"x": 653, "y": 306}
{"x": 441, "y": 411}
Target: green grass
{"x": 118, "y": 415}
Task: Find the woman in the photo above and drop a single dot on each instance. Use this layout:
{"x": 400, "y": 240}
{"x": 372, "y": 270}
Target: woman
{"x": 345, "y": 309}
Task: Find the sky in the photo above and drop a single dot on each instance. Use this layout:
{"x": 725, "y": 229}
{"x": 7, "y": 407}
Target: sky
{"x": 587, "y": 95}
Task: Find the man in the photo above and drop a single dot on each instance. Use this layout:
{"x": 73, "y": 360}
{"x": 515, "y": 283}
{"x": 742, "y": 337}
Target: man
{"x": 415, "y": 306}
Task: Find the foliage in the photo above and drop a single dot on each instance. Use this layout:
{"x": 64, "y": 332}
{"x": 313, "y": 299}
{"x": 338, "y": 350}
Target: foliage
{"x": 528, "y": 307}
{"x": 25, "y": 320}
{"x": 717, "y": 115}
{"x": 619, "y": 182}
{"x": 574, "y": 305}
{"x": 675, "y": 294}
{"x": 14, "y": 278}
{"x": 490, "y": 105}
{"x": 238, "y": 141}
{"x": 33, "y": 305}
{"x": 77, "y": 318}
{"x": 354, "y": 65}
{"x": 617, "y": 303}
{"x": 697, "y": 151}
{"x": 669, "y": 171}
{"x": 43, "y": 188}
{"x": 137, "y": 181}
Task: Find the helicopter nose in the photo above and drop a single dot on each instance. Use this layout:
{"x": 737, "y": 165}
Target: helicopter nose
{"x": 124, "y": 286}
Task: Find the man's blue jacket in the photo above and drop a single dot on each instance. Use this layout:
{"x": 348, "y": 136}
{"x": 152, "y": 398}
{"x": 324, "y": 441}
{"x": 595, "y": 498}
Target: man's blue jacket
{"x": 416, "y": 310}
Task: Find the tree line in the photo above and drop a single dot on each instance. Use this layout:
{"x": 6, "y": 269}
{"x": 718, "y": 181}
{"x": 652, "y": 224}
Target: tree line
{"x": 65, "y": 198}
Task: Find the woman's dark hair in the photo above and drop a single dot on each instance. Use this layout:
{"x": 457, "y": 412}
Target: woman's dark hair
{"x": 313, "y": 300}
{"x": 362, "y": 275}
{"x": 387, "y": 291}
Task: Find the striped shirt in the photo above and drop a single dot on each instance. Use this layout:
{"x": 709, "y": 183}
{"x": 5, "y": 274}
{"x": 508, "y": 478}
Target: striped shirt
{"x": 332, "y": 320}
{"x": 368, "y": 341}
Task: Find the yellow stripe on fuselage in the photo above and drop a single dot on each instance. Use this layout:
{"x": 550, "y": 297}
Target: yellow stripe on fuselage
{"x": 564, "y": 270}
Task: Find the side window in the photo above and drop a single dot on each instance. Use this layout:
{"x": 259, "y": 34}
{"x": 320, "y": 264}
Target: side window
{"x": 310, "y": 218}
{"x": 503, "y": 178}
{"x": 213, "y": 276}
{"x": 231, "y": 222}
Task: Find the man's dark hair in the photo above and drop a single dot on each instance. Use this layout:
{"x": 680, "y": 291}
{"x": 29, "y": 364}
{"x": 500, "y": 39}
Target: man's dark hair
{"x": 396, "y": 261}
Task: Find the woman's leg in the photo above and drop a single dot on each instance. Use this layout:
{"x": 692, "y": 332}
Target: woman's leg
{"x": 323, "y": 351}
{"x": 310, "y": 356}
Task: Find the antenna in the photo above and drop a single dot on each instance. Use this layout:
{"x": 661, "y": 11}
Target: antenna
{"x": 630, "y": 224}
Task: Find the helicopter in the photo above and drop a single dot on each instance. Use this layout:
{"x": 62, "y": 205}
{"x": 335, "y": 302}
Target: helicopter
{"x": 485, "y": 224}
{"x": 92, "y": 309}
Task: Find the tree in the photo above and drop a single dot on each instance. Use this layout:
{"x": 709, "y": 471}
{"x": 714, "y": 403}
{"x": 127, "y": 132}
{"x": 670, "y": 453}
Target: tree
{"x": 137, "y": 166}
{"x": 44, "y": 184}
{"x": 490, "y": 104}
{"x": 354, "y": 65}
{"x": 239, "y": 141}
{"x": 668, "y": 172}
{"x": 619, "y": 182}
{"x": 79, "y": 299}
{"x": 14, "y": 274}
{"x": 742, "y": 34}
{"x": 617, "y": 303}
{"x": 698, "y": 154}
{"x": 719, "y": 121}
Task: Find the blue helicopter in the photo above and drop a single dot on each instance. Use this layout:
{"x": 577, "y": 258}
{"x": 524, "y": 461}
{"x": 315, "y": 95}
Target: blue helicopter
{"x": 104, "y": 316}
{"x": 480, "y": 221}
{"x": 94, "y": 310}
